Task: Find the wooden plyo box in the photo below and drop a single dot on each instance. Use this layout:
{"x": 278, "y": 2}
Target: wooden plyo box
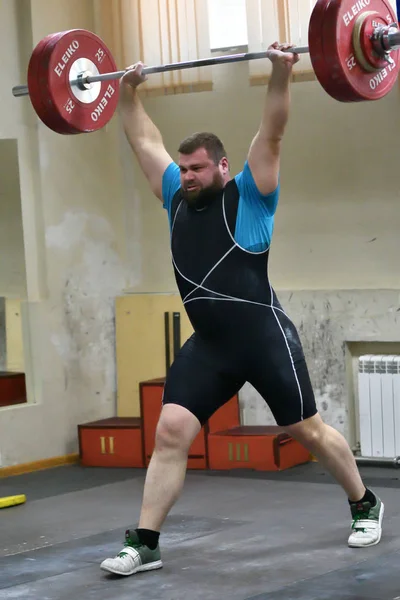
{"x": 262, "y": 448}
{"x": 151, "y": 393}
{"x": 114, "y": 442}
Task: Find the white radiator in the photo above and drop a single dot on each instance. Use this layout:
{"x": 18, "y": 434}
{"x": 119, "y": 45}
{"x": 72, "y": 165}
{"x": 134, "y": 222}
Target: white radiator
{"x": 379, "y": 405}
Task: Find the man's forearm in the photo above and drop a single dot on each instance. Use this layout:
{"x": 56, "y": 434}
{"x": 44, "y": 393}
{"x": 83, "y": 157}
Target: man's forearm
{"x": 138, "y": 126}
{"x": 143, "y": 136}
{"x": 277, "y": 103}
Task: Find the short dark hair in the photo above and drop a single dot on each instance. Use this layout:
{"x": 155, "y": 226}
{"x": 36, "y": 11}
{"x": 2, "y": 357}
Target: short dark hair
{"x": 209, "y": 141}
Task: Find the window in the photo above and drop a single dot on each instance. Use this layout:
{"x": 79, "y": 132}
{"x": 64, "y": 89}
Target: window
{"x": 158, "y": 32}
{"x": 280, "y": 20}
{"x": 227, "y": 23}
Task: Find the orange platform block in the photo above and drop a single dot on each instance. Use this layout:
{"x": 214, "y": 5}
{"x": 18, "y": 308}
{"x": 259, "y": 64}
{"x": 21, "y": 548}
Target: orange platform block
{"x": 150, "y": 407}
{"x": 262, "y": 448}
{"x": 114, "y": 442}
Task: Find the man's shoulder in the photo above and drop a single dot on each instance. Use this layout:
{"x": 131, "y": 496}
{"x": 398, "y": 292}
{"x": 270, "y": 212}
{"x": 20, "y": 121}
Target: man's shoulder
{"x": 233, "y": 182}
{"x": 171, "y": 183}
{"x": 172, "y": 170}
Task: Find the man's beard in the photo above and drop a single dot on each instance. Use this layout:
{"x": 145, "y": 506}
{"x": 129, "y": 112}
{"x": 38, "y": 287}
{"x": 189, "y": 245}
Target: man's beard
{"x": 201, "y": 198}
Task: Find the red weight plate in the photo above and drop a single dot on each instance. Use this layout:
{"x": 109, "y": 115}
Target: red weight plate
{"x": 339, "y": 21}
{"x": 315, "y": 41}
{"x": 321, "y": 67}
{"x": 32, "y": 76}
{"x": 80, "y": 111}
{"x": 35, "y": 84}
{"x": 53, "y": 119}
{"x": 374, "y": 61}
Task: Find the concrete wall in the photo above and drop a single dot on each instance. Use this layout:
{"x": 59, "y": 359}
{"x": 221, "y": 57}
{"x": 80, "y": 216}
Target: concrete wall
{"x": 92, "y": 230}
{"x": 338, "y": 219}
{"x": 336, "y": 247}
{"x": 72, "y": 214}
{"x": 14, "y": 336}
{"x": 336, "y": 327}
{"x": 12, "y": 271}
{"x": 3, "y": 344}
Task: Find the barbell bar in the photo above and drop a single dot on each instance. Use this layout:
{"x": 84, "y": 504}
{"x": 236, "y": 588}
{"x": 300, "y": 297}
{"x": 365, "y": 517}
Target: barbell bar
{"x": 388, "y": 42}
{"x": 353, "y": 47}
{"x": 23, "y": 90}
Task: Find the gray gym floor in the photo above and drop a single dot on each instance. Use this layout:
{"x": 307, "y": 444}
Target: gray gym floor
{"x": 234, "y": 536}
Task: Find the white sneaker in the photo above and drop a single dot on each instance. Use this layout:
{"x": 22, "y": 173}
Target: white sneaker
{"x": 367, "y": 524}
{"x": 133, "y": 558}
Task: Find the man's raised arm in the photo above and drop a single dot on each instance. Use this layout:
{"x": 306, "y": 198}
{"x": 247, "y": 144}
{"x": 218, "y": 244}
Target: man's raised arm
{"x": 143, "y": 136}
{"x": 264, "y": 153}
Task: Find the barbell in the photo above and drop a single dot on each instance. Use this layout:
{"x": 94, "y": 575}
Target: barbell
{"x": 353, "y": 46}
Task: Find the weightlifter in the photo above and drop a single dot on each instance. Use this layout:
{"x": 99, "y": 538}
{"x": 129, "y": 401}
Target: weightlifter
{"x": 221, "y": 229}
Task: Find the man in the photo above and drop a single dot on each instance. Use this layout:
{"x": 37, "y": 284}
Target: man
{"x": 221, "y": 229}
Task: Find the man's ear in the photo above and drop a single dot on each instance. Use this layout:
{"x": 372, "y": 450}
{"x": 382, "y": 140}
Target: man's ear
{"x": 224, "y": 164}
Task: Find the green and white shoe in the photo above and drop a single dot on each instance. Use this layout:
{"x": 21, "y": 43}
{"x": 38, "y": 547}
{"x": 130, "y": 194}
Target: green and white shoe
{"x": 133, "y": 558}
{"x": 367, "y": 524}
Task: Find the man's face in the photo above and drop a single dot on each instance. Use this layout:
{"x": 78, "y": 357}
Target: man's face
{"x": 200, "y": 176}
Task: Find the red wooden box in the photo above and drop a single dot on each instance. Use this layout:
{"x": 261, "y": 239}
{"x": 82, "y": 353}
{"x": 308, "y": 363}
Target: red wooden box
{"x": 115, "y": 442}
{"x": 12, "y": 388}
{"x": 150, "y": 408}
{"x": 262, "y": 448}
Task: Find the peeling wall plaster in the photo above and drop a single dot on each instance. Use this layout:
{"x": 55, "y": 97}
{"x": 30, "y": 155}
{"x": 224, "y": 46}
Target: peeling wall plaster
{"x": 326, "y": 321}
{"x": 85, "y": 339}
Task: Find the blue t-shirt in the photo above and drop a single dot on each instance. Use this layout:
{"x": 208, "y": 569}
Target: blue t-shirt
{"x": 255, "y": 217}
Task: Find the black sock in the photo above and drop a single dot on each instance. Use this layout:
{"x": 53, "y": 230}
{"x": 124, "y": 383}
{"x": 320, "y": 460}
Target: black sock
{"x": 148, "y": 537}
{"x": 368, "y": 497}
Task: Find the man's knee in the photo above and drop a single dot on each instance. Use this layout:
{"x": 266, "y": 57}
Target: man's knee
{"x": 169, "y": 433}
{"x": 176, "y": 428}
{"x": 310, "y": 432}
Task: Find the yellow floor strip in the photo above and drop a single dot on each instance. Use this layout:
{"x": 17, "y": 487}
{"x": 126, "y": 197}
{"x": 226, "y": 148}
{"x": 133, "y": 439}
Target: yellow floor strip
{"x": 12, "y": 500}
